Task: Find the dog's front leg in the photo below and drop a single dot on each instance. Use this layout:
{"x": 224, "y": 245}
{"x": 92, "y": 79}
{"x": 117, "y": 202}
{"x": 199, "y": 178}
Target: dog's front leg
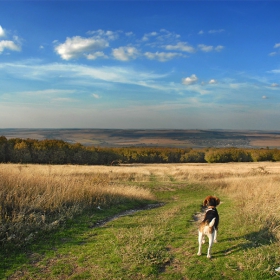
{"x": 200, "y": 237}
{"x": 211, "y": 238}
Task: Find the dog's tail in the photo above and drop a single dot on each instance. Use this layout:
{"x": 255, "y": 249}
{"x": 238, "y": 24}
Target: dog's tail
{"x": 211, "y": 224}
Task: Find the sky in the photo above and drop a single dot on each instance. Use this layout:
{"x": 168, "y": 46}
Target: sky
{"x": 140, "y": 64}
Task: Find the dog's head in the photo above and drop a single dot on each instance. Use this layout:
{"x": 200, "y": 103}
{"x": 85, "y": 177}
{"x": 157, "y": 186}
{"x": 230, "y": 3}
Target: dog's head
{"x": 211, "y": 201}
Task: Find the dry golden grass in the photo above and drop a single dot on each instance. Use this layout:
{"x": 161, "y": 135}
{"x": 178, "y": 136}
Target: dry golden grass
{"x": 43, "y": 196}
{"x": 36, "y": 197}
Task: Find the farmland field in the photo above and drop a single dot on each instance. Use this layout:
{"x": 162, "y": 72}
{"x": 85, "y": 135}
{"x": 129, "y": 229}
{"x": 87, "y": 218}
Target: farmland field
{"x": 149, "y": 137}
{"x": 55, "y": 221}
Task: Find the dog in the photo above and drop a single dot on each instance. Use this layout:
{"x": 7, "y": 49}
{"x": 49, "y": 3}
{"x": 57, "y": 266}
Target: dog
{"x": 209, "y": 225}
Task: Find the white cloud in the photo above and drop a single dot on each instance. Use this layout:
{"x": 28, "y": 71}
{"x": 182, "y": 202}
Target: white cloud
{"x": 264, "y": 97}
{"x": 77, "y": 46}
{"x": 162, "y": 56}
{"x": 181, "y": 46}
{"x": 200, "y": 32}
{"x": 219, "y": 48}
{"x": 277, "y": 45}
{"x": 205, "y": 48}
{"x": 93, "y": 56}
{"x": 190, "y": 80}
{"x": 272, "y": 53}
{"x": 125, "y": 53}
{"x": 213, "y": 81}
{"x": 274, "y": 85}
{"x": 10, "y": 45}
{"x": 2, "y": 32}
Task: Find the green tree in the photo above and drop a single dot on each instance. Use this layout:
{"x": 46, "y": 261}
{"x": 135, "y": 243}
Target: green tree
{"x": 3, "y": 148}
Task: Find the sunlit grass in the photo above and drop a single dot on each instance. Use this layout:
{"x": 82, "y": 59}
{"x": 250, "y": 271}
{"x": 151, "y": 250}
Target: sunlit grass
{"x": 34, "y": 197}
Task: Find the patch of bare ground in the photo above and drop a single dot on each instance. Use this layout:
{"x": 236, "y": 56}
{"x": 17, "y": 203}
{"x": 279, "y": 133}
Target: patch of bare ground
{"x": 126, "y": 213}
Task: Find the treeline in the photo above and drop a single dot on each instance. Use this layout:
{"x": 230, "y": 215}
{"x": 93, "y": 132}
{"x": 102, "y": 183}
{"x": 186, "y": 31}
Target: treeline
{"x": 18, "y": 150}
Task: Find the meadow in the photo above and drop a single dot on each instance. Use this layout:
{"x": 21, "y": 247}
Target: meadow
{"x": 55, "y": 221}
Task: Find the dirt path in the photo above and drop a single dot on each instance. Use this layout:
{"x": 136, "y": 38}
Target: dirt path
{"x": 126, "y": 213}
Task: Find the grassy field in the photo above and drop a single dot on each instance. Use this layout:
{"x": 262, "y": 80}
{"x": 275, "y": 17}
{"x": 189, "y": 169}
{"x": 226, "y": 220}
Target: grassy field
{"x": 52, "y": 221}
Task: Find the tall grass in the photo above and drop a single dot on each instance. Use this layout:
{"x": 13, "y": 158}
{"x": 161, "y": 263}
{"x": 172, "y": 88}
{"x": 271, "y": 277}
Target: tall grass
{"x": 34, "y": 197}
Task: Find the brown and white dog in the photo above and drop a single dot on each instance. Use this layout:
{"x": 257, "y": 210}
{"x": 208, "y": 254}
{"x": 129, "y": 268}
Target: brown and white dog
{"x": 209, "y": 225}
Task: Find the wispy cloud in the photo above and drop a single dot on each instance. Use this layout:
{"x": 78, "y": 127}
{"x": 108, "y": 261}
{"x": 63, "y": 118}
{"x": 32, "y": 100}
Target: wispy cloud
{"x": 181, "y": 46}
{"x": 147, "y": 36}
{"x": 219, "y": 48}
{"x": 48, "y": 92}
{"x": 276, "y": 46}
{"x": 96, "y": 96}
{"x": 213, "y": 31}
{"x": 102, "y": 34}
{"x": 125, "y": 53}
{"x": 206, "y": 48}
{"x": 76, "y": 72}
{"x": 162, "y": 56}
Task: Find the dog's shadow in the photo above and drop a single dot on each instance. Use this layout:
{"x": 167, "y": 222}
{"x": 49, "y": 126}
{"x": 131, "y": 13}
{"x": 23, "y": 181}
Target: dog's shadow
{"x": 248, "y": 241}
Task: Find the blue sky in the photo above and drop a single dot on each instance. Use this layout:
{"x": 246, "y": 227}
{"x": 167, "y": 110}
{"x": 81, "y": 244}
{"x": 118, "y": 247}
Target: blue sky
{"x": 140, "y": 64}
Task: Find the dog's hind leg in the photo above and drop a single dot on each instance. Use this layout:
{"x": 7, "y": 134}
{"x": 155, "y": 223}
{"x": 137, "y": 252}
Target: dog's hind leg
{"x": 211, "y": 235}
{"x": 215, "y": 236}
{"x": 200, "y": 238}
{"x": 211, "y": 238}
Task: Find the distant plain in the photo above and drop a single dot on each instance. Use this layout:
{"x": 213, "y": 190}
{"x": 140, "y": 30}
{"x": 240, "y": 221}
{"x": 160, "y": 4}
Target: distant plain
{"x": 153, "y": 137}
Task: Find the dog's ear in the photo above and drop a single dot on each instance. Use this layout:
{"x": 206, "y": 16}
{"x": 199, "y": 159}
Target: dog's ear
{"x": 217, "y": 201}
{"x": 206, "y": 201}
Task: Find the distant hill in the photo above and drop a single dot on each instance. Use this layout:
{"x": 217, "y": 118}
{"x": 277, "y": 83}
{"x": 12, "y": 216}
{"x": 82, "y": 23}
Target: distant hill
{"x": 153, "y": 137}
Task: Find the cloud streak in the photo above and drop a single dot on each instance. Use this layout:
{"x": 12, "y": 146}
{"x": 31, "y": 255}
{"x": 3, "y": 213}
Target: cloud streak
{"x": 72, "y": 72}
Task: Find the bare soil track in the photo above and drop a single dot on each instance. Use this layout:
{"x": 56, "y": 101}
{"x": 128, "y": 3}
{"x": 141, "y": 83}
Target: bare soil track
{"x": 125, "y": 213}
